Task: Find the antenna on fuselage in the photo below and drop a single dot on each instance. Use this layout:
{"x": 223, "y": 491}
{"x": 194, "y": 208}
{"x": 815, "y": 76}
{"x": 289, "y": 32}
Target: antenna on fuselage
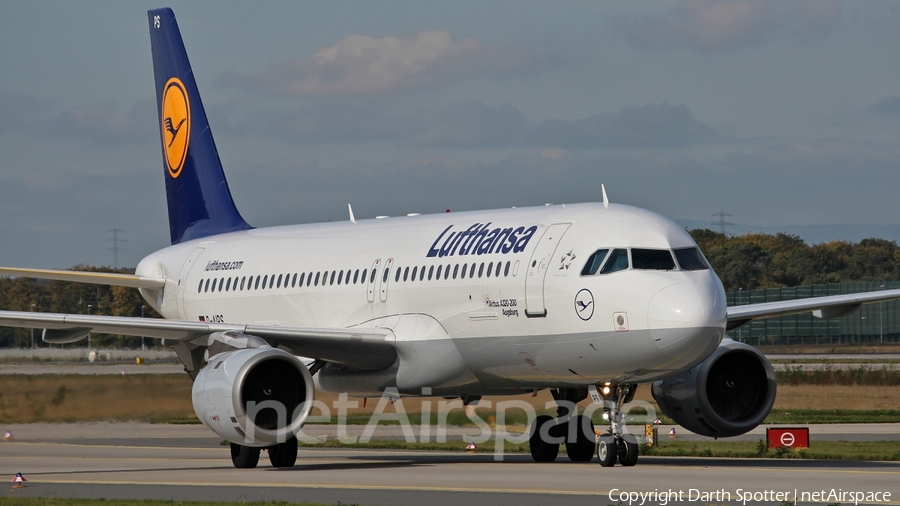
{"x": 352, "y": 218}
{"x": 605, "y": 200}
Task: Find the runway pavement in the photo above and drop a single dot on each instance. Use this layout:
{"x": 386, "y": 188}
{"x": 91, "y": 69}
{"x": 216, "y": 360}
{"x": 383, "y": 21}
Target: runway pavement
{"x": 187, "y": 463}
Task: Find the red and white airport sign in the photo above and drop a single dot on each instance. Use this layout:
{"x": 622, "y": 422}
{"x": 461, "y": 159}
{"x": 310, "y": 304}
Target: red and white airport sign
{"x": 790, "y": 437}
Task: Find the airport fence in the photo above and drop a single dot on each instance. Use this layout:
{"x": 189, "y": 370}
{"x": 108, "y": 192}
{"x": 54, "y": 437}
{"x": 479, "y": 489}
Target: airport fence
{"x": 872, "y": 323}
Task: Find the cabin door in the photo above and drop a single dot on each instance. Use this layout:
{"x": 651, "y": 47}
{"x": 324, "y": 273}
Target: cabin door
{"x": 537, "y": 270}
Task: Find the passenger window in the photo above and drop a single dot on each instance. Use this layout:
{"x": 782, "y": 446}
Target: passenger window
{"x": 405, "y": 274}
{"x": 271, "y": 281}
{"x": 302, "y": 278}
{"x": 200, "y": 286}
{"x": 617, "y": 261}
{"x": 243, "y": 281}
{"x": 372, "y": 276}
{"x": 456, "y": 270}
{"x": 462, "y": 274}
{"x": 497, "y": 273}
{"x": 294, "y": 280}
{"x": 490, "y": 268}
{"x": 652, "y": 259}
{"x": 206, "y": 287}
{"x": 221, "y": 282}
{"x": 398, "y": 273}
{"x": 228, "y": 285}
{"x": 593, "y": 262}
{"x": 447, "y": 272}
{"x": 480, "y": 269}
{"x": 384, "y": 277}
{"x": 415, "y": 269}
{"x": 316, "y": 282}
{"x": 506, "y": 269}
{"x": 431, "y": 271}
{"x": 256, "y": 287}
{"x": 422, "y": 274}
{"x": 690, "y": 259}
{"x": 330, "y": 279}
{"x": 279, "y": 279}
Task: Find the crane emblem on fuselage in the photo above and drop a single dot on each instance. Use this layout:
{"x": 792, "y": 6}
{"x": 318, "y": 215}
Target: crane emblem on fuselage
{"x": 584, "y": 304}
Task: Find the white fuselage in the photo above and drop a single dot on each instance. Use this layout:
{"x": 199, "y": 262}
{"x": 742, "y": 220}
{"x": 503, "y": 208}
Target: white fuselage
{"x": 521, "y": 317}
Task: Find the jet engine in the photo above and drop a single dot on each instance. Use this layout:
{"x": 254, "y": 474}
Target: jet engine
{"x": 728, "y": 394}
{"x": 254, "y": 397}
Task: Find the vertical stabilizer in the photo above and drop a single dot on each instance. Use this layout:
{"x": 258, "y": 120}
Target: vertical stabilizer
{"x": 200, "y": 203}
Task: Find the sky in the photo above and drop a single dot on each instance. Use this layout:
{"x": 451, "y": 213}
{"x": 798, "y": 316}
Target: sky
{"x": 784, "y": 114}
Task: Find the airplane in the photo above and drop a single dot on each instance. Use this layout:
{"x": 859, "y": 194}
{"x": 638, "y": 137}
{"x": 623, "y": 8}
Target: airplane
{"x": 581, "y": 298}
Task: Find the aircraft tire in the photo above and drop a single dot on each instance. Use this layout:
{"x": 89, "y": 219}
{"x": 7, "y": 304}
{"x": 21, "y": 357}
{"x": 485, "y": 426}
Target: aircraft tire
{"x": 582, "y": 449}
{"x": 607, "y": 450}
{"x": 542, "y": 451}
{"x": 628, "y": 450}
{"x": 244, "y": 457}
{"x": 284, "y": 454}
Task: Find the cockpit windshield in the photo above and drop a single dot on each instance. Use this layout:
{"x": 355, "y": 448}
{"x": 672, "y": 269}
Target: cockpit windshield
{"x": 594, "y": 262}
{"x": 690, "y": 259}
{"x": 617, "y": 261}
{"x": 606, "y": 260}
{"x": 652, "y": 259}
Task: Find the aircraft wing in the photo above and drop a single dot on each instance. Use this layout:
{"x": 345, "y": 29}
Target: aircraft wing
{"x": 365, "y": 348}
{"x": 832, "y": 306}
{"x": 97, "y": 278}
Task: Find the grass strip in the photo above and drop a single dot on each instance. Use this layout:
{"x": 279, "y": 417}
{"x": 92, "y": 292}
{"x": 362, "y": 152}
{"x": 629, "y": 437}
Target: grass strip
{"x": 51, "y": 501}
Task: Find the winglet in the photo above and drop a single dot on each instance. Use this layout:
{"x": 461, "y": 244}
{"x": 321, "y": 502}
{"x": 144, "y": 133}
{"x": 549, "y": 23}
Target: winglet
{"x": 605, "y": 200}
{"x": 352, "y": 218}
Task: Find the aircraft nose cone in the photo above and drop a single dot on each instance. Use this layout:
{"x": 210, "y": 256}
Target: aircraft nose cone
{"x": 686, "y": 319}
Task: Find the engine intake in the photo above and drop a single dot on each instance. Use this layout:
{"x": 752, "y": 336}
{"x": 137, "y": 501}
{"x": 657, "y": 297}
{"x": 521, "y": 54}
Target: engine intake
{"x": 728, "y": 394}
{"x": 254, "y": 397}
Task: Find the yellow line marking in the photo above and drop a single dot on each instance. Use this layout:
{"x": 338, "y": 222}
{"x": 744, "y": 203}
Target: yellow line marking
{"x": 328, "y": 486}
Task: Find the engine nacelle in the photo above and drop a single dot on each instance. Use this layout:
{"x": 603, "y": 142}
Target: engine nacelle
{"x": 728, "y": 394}
{"x": 254, "y": 397}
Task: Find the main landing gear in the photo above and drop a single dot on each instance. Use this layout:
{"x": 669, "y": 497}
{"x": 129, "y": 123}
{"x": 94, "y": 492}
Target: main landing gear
{"x": 577, "y": 431}
{"x": 280, "y": 455}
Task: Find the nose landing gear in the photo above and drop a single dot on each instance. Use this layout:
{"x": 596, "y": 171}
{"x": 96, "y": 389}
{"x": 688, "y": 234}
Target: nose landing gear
{"x": 615, "y": 444}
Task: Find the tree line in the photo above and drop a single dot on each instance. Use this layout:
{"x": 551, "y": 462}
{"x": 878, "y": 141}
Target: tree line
{"x": 757, "y": 260}
{"x": 749, "y": 261}
{"x": 26, "y": 294}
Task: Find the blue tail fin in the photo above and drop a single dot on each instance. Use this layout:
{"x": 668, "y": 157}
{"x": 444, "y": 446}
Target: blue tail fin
{"x": 200, "y": 203}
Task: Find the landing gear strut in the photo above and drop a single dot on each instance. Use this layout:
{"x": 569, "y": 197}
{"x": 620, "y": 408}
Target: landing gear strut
{"x": 616, "y": 445}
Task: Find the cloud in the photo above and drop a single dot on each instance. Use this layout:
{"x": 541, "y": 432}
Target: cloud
{"x": 889, "y": 106}
{"x": 323, "y": 123}
{"x": 104, "y": 124}
{"x": 472, "y": 124}
{"x": 650, "y": 126}
{"x": 469, "y": 124}
{"x": 713, "y": 26}
{"x": 361, "y": 64}
{"x": 816, "y": 160}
